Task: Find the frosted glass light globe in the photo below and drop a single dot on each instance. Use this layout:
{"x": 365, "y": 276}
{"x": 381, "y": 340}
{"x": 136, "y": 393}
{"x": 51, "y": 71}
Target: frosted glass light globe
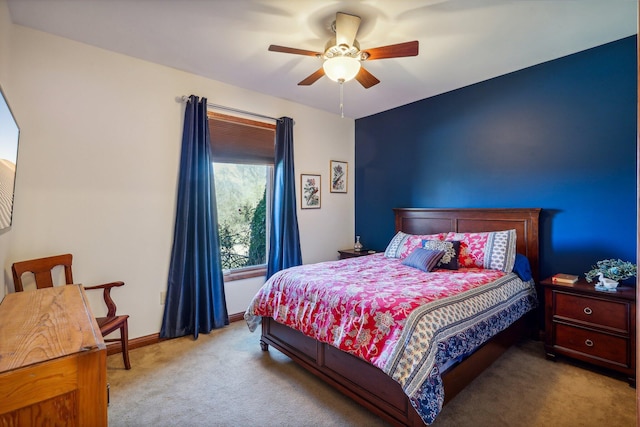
{"x": 341, "y": 68}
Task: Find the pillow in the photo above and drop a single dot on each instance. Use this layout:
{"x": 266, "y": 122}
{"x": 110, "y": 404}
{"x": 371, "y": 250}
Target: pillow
{"x": 522, "y": 268}
{"x": 423, "y": 259}
{"x": 495, "y": 250}
{"x": 451, "y": 250}
{"x": 403, "y": 244}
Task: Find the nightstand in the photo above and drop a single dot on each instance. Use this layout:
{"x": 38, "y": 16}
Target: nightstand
{"x": 592, "y": 326}
{"x": 352, "y": 253}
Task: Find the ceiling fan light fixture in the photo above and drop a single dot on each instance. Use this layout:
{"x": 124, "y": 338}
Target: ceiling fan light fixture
{"x": 341, "y": 68}
{"x": 342, "y": 54}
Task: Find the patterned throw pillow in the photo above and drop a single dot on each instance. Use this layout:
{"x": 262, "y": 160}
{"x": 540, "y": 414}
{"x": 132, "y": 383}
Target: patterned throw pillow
{"x": 423, "y": 259}
{"x": 403, "y": 244}
{"x": 451, "y": 250}
{"x": 495, "y": 250}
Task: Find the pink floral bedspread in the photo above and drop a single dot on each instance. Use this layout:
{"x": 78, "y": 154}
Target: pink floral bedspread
{"x": 359, "y": 305}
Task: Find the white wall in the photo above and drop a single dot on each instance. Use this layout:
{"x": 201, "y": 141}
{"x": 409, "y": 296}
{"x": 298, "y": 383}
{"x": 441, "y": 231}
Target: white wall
{"x": 98, "y": 165}
{"x": 5, "y": 25}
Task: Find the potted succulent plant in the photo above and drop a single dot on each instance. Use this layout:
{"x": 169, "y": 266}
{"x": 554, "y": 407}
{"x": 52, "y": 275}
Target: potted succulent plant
{"x": 611, "y": 271}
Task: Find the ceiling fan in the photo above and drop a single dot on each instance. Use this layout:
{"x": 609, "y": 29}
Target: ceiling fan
{"x": 343, "y": 57}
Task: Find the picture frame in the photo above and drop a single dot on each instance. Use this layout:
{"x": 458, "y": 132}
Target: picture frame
{"x": 310, "y": 191}
{"x": 9, "y": 139}
{"x": 338, "y": 176}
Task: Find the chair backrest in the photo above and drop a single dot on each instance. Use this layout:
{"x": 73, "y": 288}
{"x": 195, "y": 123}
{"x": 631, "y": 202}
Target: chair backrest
{"x": 42, "y": 270}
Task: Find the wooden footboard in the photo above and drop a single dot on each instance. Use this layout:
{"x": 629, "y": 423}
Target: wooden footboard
{"x": 354, "y": 377}
{"x": 367, "y": 384}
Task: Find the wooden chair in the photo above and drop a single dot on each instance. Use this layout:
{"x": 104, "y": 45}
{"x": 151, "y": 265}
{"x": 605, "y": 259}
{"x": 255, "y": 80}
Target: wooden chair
{"x": 42, "y": 270}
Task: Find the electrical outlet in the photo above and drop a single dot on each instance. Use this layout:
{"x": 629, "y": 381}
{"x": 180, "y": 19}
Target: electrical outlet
{"x": 163, "y": 297}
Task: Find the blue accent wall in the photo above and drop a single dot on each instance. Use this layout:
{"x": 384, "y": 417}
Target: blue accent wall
{"x": 560, "y": 136}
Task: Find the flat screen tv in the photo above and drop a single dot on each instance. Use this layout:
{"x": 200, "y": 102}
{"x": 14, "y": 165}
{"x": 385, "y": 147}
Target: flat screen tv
{"x": 9, "y": 135}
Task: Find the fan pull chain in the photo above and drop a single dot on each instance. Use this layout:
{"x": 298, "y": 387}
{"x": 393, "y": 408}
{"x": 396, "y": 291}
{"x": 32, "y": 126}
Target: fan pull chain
{"x": 341, "y": 100}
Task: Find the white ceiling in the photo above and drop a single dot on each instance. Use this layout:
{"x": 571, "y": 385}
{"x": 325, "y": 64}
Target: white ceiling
{"x": 461, "y": 41}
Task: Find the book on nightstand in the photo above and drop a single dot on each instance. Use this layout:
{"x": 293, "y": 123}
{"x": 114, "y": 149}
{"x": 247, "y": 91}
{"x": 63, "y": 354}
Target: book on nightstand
{"x": 564, "y": 278}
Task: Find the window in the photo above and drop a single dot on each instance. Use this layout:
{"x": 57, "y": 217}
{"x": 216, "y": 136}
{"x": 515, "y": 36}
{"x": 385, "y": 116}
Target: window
{"x": 243, "y": 154}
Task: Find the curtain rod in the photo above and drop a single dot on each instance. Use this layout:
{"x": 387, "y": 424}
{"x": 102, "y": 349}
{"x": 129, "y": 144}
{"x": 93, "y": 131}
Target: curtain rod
{"x": 235, "y": 110}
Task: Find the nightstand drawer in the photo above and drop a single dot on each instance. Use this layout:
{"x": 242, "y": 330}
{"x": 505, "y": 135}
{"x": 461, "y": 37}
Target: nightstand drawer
{"x": 593, "y": 344}
{"x": 607, "y": 314}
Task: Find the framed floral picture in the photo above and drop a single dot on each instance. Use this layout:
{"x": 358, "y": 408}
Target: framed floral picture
{"x": 338, "y": 174}
{"x": 310, "y": 191}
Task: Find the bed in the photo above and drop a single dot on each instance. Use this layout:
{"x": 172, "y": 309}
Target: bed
{"x": 377, "y": 390}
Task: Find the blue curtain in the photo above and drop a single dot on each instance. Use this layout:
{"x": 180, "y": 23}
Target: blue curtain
{"x": 284, "y": 241}
{"x": 195, "y": 293}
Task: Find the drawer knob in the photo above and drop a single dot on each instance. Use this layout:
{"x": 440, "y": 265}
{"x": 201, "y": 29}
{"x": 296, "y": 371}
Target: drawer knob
{"x": 588, "y": 343}
{"x": 587, "y": 310}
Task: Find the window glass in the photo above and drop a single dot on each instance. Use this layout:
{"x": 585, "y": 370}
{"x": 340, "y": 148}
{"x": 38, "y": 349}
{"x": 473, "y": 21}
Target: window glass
{"x": 241, "y": 196}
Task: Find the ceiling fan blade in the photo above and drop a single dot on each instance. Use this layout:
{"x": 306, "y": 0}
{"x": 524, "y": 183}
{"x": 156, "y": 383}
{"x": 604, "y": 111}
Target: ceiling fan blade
{"x": 392, "y": 51}
{"x": 366, "y": 79}
{"x": 312, "y": 78}
{"x": 284, "y": 49}
{"x": 346, "y": 28}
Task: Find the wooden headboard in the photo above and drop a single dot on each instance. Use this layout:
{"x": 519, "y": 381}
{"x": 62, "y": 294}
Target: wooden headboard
{"x": 436, "y": 220}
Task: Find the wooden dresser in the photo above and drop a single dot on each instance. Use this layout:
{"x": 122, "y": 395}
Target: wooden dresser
{"x": 593, "y": 326}
{"x": 52, "y": 360}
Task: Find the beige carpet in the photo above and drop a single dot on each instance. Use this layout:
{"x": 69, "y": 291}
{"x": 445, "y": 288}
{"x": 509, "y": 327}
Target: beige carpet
{"x": 224, "y": 379}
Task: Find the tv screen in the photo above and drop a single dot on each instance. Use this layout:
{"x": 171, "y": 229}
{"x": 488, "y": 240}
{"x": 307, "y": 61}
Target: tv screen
{"x": 9, "y": 135}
